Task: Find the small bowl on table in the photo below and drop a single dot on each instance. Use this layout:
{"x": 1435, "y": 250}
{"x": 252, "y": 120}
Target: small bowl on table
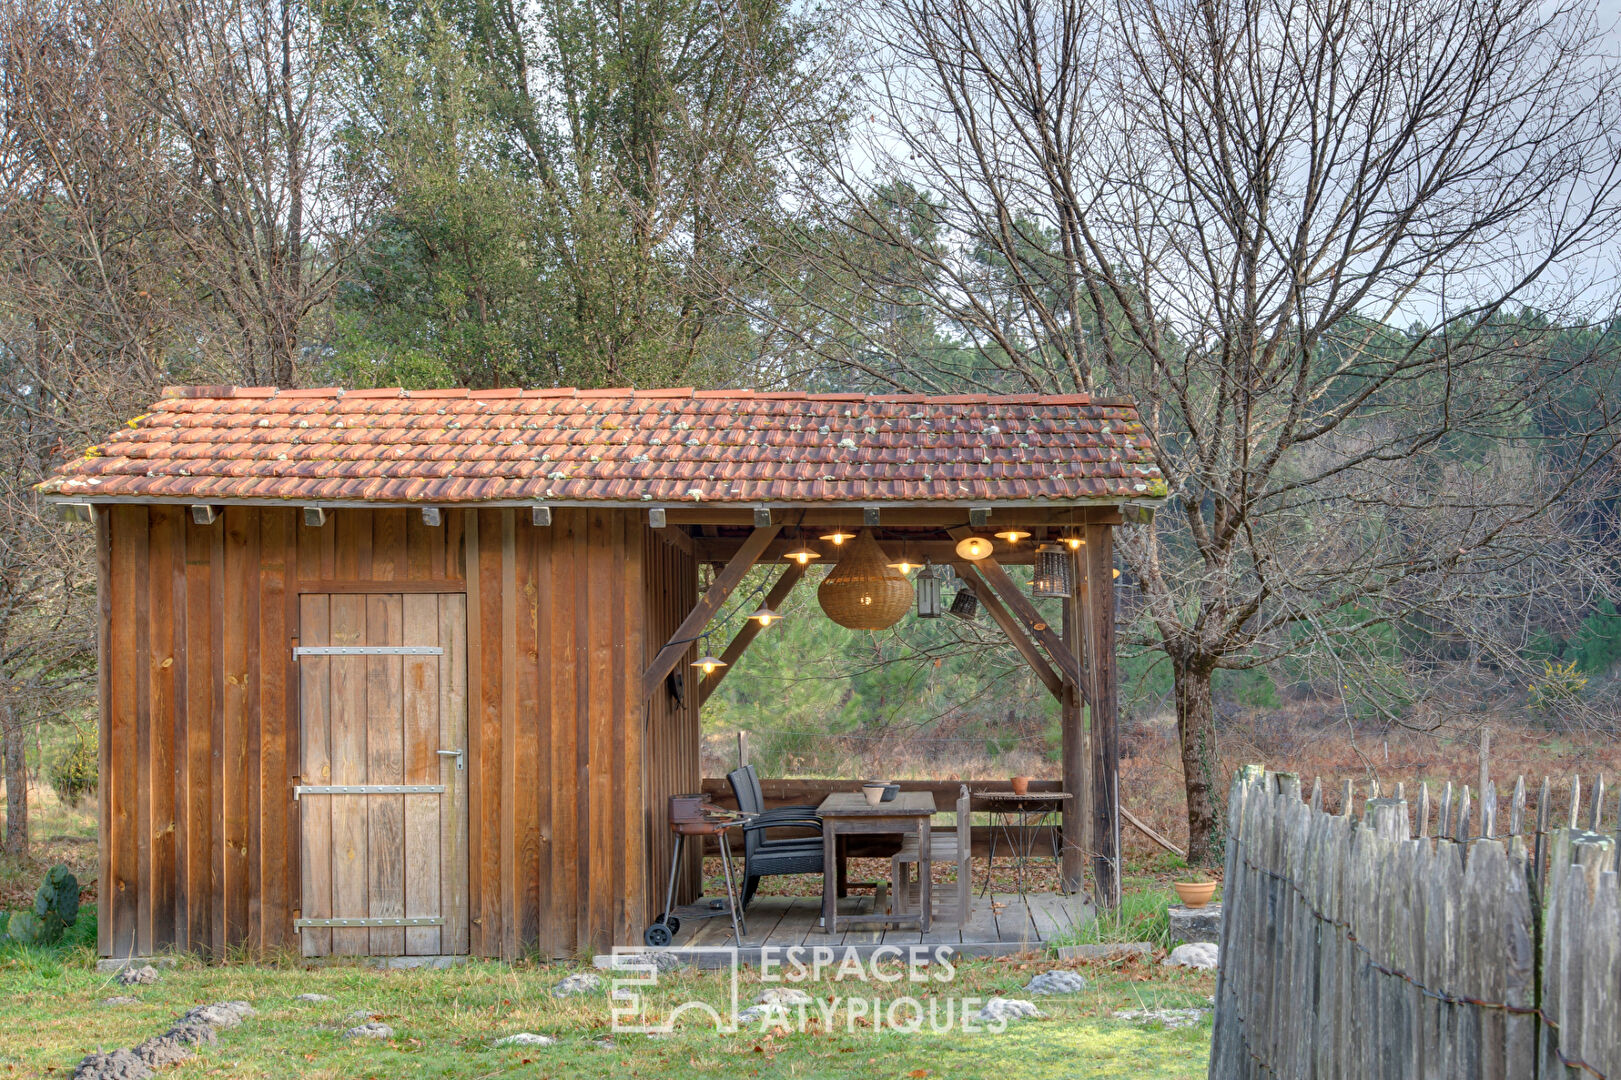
{"x": 1194, "y": 894}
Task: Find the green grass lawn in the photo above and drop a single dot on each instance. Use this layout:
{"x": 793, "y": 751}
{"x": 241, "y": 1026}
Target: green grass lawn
{"x": 445, "y": 1023}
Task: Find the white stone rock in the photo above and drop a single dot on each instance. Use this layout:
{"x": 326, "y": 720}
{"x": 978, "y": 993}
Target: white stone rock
{"x": 581, "y": 982}
{"x": 784, "y": 995}
{"x": 144, "y": 975}
{"x": 312, "y": 997}
{"x": 526, "y": 1038}
{"x": 369, "y": 1031}
{"x": 1056, "y": 982}
{"x": 755, "y": 1014}
{"x": 1005, "y": 1009}
{"x": 1199, "y": 954}
{"x": 1171, "y": 1018}
{"x": 121, "y": 999}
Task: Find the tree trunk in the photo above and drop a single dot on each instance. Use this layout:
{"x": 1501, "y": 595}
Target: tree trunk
{"x": 16, "y": 783}
{"x": 1201, "y": 768}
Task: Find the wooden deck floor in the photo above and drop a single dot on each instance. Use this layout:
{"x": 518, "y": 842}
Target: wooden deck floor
{"x": 1001, "y": 924}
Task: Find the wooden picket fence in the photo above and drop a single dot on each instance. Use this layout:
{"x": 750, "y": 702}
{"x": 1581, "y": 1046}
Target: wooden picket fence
{"x": 1369, "y": 946}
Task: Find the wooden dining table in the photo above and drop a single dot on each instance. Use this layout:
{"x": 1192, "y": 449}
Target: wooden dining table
{"x": 847, "y": 813}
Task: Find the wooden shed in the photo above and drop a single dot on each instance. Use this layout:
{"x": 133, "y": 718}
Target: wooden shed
{"x": 388, "y": 672}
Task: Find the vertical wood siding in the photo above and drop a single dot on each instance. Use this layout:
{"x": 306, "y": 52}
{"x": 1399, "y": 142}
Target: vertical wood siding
{"x": 672, "y": 726}
{"x": 567, "y": 771}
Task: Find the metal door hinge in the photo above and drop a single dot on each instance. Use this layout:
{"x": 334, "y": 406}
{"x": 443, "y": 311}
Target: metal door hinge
{"x": 368, "y": 789}
{"x": 416, "y": 920}
{"x": 367, "y": 650}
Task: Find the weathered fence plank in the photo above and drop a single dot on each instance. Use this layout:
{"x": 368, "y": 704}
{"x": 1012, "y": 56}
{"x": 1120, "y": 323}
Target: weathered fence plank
{"x": 1368, "y": 946}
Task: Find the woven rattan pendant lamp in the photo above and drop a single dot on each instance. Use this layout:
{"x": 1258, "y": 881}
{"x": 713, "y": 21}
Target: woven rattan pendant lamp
{"x": 864, "y": 592}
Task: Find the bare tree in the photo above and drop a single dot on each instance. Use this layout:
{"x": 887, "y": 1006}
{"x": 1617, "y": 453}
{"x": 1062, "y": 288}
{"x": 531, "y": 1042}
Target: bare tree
{"x": 1305, "y": 236}
{"x": 264, "y": 208}
{"x": 87, "y": 312}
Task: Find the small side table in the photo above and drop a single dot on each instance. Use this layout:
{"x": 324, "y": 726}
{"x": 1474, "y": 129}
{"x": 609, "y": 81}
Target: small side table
{"x": 847, "y": 813}
{"x": 1028, "y": 812}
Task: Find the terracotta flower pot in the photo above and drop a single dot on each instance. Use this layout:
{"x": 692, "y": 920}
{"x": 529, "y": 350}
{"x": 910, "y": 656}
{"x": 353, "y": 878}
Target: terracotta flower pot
{"x": 1021, "y": 785}
{"x": 1195, "y": 894}
{"x": 874, "y": 793}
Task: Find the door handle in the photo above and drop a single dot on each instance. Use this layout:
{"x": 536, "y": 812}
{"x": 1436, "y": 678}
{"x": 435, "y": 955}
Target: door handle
{"x": 461, "y": 762}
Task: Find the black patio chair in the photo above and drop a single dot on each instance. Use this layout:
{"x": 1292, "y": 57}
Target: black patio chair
{"x": 751, "y": 797}
{"x": 766, "y": 856}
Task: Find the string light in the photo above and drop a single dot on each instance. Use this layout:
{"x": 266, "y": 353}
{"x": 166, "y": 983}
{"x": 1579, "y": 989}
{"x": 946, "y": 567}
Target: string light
{"x": 973, "y": 548}
{"x": 708, "y": 663}
{"x": 803, "y": 555}
{"x": 765, "y": 616}
{"x": 1013, "y": 536}
{"x": 838, "y": 536}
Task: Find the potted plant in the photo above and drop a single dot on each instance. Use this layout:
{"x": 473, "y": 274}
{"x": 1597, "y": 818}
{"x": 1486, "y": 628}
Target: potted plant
{"x": 1021, "y": 785}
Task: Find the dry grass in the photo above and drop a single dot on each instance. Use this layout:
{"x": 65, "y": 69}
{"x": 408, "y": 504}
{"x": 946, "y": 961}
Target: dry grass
{"x": 1290, "y": 740}
{"x": 59, "y": 834}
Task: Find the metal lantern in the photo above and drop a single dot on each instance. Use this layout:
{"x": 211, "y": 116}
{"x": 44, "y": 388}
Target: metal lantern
{"x": 927, "y": 584}
{"x": 1053, "y": 575}
{"x": 965, "y": 605}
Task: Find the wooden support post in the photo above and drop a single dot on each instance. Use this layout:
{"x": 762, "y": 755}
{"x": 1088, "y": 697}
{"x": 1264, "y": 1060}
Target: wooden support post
{"x": 1010, "y": 626}
{"x": 693, "y": 625}
{"x": 791, "y": 575}
{"x": 1074, "y": 752}
{"x": 1103, "y": 697}
{"x": 1021, "y": 605}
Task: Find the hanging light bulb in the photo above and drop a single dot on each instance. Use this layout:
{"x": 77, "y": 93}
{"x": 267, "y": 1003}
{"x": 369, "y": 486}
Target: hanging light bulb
{"x": 803, "y": 554}
{"x": 838, "y": 536}
{"x": 904, "y": 566}
{"x": 765, "y": 616}
{"x": 1075, "y": 541}
{"x": 973, "y": 548}
{"x": 1013, "y": 536}
{"x": 709, "y": 664}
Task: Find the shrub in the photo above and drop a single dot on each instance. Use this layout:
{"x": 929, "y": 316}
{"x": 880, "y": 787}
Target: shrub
{"x": 73, "y": 776}
{"x": 56, "y": 907}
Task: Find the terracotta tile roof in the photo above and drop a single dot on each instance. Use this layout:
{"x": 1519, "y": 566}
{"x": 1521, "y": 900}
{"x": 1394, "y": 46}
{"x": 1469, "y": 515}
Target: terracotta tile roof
{"x": 459, "y": 446}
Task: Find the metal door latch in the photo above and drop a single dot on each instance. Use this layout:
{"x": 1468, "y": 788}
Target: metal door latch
{"x": 461, "y": 761}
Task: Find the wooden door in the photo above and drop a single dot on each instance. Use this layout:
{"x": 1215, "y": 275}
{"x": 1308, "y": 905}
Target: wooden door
{"x": 383, "y": 774}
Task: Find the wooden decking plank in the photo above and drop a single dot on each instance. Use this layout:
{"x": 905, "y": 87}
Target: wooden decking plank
{"x": 1050, "y": 919}
{"x": 981, "y": 924}
{"x": 798, "y": 921}
{"x": 1013, "y": 921}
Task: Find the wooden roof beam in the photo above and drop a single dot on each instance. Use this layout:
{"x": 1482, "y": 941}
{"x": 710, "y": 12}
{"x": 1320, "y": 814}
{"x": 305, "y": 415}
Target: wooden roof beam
{"x": 1010, "y": 626}
{"x": 791, "y": 576}
{"x": 692, "y": 626}
{"x": 1014, "y": 597}
{"x": 721, "y": 549}
{"x": 891, "y": 515}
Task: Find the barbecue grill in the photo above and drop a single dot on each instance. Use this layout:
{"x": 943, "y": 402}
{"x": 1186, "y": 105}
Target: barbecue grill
{"x": 696, "y": 816}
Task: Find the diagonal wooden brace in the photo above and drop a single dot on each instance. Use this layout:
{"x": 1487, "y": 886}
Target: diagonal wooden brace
{"x": 1010, "y": 626}
{"x": 791, "y": 575}
{"x": 693, "y": 625}
{"x": 1020, "y": 604}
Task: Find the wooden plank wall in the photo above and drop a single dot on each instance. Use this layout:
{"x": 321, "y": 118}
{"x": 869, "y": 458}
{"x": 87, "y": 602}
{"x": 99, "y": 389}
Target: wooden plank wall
{"x": 557, "y": 838}
{"x": 199, "y": 724}
{"x": 672, "y": 725}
